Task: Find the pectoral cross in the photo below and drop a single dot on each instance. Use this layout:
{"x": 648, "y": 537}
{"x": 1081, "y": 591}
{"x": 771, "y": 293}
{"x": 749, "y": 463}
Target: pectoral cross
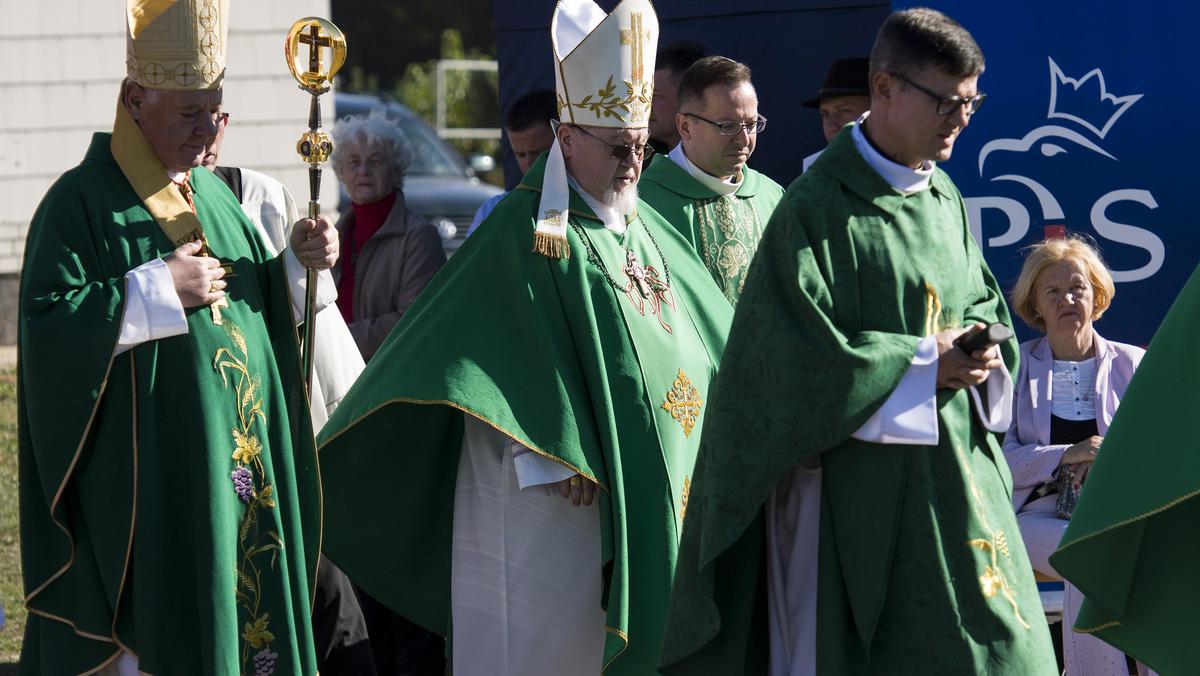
{"x": 636, "y": 38}
{"x": 315, "y": 42}
{"x": 637, "y": 274}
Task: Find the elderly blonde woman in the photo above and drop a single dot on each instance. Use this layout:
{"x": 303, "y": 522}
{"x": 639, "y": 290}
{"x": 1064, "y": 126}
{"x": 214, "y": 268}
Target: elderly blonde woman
{"x": 1067, "y": 389}
{"x": 390, "y": 253}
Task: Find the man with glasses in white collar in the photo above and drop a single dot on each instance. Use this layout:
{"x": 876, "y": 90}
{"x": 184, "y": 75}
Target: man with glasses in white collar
{"x": 851, "y": 451}
{"x": 703, "y": 187}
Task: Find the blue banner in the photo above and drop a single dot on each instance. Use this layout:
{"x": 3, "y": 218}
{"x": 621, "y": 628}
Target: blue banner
{"x": 1089, "y": 126}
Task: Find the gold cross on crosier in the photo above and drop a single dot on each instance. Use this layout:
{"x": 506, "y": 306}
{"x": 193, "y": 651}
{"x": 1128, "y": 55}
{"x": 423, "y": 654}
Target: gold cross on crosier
{"x": 636, "y": 37}
{"x": 315, "y": 42}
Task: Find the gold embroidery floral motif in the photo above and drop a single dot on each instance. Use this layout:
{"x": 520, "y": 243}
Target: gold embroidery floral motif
{"x": 733, "y": 259}
{"x": 683, "y": 403}
{"x": 606, "y": 102}
{"x": 729, "y": 235}
{"x": 993, "y": 580}
{"x": 252, "y": 487}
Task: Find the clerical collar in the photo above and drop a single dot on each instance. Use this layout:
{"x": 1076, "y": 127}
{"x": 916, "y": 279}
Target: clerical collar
{"x": 905, "y": 179}
{"x": 705, "y": 179}
{"x": 612, "y": 220}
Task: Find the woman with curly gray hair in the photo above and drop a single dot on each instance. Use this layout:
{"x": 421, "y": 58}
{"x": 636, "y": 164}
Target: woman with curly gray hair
{"x": 389, "y": 252}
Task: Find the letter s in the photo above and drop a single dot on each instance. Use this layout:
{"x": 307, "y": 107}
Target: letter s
{"x": 1128, "y": 234}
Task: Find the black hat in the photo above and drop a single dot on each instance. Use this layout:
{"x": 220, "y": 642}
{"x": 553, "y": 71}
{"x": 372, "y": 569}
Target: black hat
{"x": 846, "y": 77}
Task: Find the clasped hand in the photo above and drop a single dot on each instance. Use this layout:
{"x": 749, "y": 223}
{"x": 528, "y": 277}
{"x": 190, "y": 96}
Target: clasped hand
{"x": 197, "y": 278}
{"x": 1079, "y": 457}
{"x": 959, "y": 370}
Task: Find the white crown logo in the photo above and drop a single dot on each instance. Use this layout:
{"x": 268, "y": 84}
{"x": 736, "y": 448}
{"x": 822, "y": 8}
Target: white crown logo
{"x": 1078, "y": 103}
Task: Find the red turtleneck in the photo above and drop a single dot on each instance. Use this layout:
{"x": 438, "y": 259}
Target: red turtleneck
{"x": 368, "y": 218}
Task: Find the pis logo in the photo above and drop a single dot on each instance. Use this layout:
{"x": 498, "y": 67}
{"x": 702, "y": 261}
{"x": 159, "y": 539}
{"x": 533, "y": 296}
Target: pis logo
{"x": 1080, "y": 116}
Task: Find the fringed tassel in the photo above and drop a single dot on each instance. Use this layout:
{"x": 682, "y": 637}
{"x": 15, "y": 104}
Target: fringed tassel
{"x": 551, "y": 246}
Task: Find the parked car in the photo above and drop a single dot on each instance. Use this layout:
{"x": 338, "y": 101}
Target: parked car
{"x": 439, "y": 185}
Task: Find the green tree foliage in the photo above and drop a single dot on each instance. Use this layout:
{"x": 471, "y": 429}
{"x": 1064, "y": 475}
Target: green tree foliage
{"x": 471, "y": 96}
{"x": 384, "y": 37}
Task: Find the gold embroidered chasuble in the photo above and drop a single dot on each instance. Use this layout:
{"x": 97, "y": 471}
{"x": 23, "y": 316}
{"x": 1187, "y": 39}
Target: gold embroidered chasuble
{"x": 591, "y": 369}
{"x": 724, "y": 229}
{"x": 170, "y": 497}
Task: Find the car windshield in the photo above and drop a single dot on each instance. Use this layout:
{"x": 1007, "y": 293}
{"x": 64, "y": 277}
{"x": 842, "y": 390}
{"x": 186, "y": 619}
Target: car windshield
{"x": 429, "y": 155}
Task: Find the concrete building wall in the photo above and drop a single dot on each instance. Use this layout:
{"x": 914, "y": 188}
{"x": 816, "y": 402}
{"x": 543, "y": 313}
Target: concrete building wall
{"x": 63, "y": 62}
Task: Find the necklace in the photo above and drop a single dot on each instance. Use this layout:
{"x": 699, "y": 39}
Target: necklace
{"x": 646, "y": 284}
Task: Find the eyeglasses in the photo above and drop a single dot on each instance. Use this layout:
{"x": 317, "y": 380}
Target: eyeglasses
{"x": 735, "y": 128}
{"x": 617, "y": 151}
{"x": 947, "y": 104}
{"x": 222, "y": 118}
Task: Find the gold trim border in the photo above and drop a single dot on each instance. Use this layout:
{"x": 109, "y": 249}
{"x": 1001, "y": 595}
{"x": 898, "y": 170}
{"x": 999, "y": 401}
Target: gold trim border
{"x": 464, "y": 409}
{"x": 621, "y": 635}
{"x": 58, "y": 496}
{"x": 1162, "y": 508}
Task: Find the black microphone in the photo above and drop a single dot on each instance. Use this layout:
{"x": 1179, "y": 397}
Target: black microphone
{"x": 984, "y": 338}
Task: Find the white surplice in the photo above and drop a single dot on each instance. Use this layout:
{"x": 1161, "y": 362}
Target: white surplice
{"x": 525, "y": 580}
{"x": 909, "y": 416}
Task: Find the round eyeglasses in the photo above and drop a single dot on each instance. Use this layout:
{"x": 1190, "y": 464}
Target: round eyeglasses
{"x": 735, "y": 128}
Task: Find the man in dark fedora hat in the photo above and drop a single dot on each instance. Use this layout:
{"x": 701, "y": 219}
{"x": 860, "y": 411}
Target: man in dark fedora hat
{"x": 843, "y": 98}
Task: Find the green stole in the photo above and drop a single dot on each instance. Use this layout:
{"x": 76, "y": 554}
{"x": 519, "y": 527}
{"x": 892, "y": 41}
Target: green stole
{"x": 921, "y": 567}
{"x": 134, "y": 534}
{"x": 724, "y": 229}
{"x": 550, "y": 354}
{"x": 1131, "y": 546}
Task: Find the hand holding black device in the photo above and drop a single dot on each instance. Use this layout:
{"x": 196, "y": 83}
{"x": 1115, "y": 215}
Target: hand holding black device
{"x": 973, "y": 341}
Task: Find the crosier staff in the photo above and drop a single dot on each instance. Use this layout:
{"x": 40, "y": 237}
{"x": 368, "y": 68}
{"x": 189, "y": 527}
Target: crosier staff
{"x": 314, "y": 146}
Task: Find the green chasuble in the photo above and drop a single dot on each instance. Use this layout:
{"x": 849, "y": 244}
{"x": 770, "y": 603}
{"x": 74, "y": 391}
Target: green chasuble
{"x": 170, "y": 500}
{"x": 724, "y": 229}
{"x": 1133, "y": 544}
{"x": 611, "y": 384}
{"x": 921, "y": 565}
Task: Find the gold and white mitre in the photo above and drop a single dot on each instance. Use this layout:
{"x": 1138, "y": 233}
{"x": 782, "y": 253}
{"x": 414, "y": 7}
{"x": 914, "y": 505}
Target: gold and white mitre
{"x": 604, "y": 77}
{"x": 176, "y": 44}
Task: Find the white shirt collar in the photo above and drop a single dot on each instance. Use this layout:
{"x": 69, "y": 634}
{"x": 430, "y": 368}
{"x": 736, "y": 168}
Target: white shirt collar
{"x": 612, "y": 220}
{"x": 705, "y": 179}
{"x": 905, "y": 179}
{"x": 176, "y": 176}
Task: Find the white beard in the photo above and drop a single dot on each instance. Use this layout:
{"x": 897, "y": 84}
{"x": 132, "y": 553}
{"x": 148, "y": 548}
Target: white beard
{"x": 624, "y": 202}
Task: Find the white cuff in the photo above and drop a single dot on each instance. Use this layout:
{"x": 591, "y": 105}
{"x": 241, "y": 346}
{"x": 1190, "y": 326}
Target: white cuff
{"x": 535, "y": 470}
{"x": 152, "y": 307}
{"x": 998, "y": 417}
{"x": 296, "y": 273}
{"x": 909, "y": 416}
